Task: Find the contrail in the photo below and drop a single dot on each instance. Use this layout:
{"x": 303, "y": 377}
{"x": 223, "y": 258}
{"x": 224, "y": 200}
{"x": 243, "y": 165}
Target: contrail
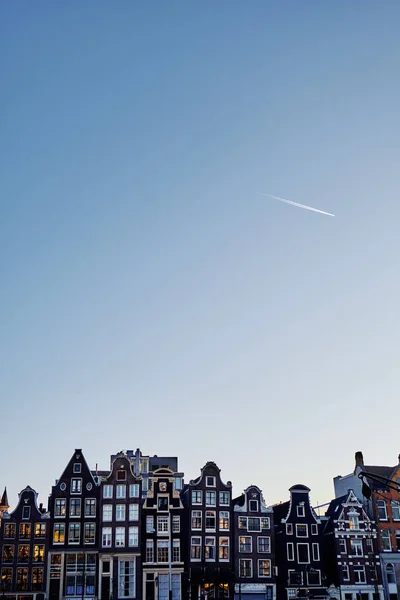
{"x": 322, "y": 212}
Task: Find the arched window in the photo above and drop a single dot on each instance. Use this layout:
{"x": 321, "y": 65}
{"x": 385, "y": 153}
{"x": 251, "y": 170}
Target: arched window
{"x": 391, "y": 578}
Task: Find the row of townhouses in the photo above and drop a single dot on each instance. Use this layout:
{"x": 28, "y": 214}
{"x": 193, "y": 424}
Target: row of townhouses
{"x": 138, "y": 531}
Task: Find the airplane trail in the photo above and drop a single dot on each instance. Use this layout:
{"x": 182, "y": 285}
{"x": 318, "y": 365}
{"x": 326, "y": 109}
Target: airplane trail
{"x": 322, "y": 212}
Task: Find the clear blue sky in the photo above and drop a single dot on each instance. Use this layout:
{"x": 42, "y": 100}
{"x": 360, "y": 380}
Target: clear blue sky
{"x": 149, "y": 295}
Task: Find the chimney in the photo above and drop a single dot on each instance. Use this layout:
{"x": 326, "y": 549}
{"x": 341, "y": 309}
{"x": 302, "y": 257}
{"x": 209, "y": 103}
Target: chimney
{"x": 399, "y": 459}
{"x": 359, "y": 460}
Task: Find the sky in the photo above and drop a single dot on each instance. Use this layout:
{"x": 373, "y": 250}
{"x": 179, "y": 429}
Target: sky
{"x": 150, "y": 295}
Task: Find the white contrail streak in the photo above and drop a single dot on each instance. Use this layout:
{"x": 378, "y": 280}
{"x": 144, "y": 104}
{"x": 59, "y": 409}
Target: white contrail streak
{"x": 322, "y": 212}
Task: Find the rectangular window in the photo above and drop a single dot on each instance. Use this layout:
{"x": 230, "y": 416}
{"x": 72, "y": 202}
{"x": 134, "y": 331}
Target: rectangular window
{"x": 197, "y": 497}
{"x": 303, "y": 553}
{"x": 210, "y": 498}
{"x": 38, "y": 553}
{"x": 6, "y": 579}
{"x": 224, "y": 498}
{"x": 134, "y": 512}
{"x": 315, "y": 552}
{"x": 25, "y": 530}
{"x": 370, "y": 546}
{"x": 209, "y": 548}
{"x": 90, "y": 507}
{"x": 386, "y": 542}
{"x": 245, "y": 543}
{"x": 395, "y": 511}
{"x": 26, "y": 512}
{"x": 126, "y": 579}
{"x": 178, "y": 484}
{"x": 75, "y": 507}
{"x": 359, "y": 574}
{"x": 162, "y": 524}
{"x": 40, "y": 530}
{"x": 162, "y": 551}
{"x": 120, "y": 537}
{"x": 210, "y": 481}
{"x": 195, "y": 548}
{"x": 265, "y": 523}
{"x": 300, "y": 510}
{"x": 121, "y": 475}
{"x": 290, "y": 551}
{"x": 243, "y": 523}
{"x": 76, "y": 486}
{"x": 134, "y": 490}
{"x": 59, "y": 533}
{"x": 314, "y": 529}
{"x": 253, "y": 505}
{"x": 22, "y": 579}
{"x": 224, "y": 519}
{"x": 224, "y": 548}
{"x": 382, "y": 514}
{"x": 149, "y": 551}
{"x": 301, "y": 530}
{"x": 107, "y": 491}
{"x": 120, "y": 512}
{"x": 8, "y": 553}
{"x": 356, "y": 547}
{"x": 210, "y": 520}
{"x": 90, "y": 533}
{"x": 74, "y": 533}
{"x": 245, "y": 567}
{"x": 253, "y": 524}
{"x": 289, "y": 529}
{"x": 345, "y": 573}
{"x": 264, "y": 568}
{"x": 176, "y": 551}
{"x": 106, "y": 537}
{"x": 342, "y": 546}
{"x": 264, "y": 544}
{"x": 23, "y": 553}
{"x": 77, "y": 467}
{"x": 353, "y": 522}
{"x": 121, "y": 491}
{"x": 196, "y": 519}
{"x": 9, "y": 530}
{"x": 162, "y": 503}
{"x": 133, "y": 536}
{"x": 37, "y": 579}
{"x": 150, "y": 525}
{"x": 107, "y": 512}
{"x": 176, "y": 524}
{"x": 60, "y": 507}
{"x": 314, "y": 577}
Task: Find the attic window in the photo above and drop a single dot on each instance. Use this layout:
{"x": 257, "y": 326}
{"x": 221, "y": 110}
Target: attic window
{"x": 121, "y": 475}
{"x": 253, "y": 505}
{"x": 77, "y": 467}
{"x": 300, "y": 510}
{"x": 210, "y": 481}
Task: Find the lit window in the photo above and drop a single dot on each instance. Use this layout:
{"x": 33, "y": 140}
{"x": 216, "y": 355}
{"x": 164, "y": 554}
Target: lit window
{"x": 265, "y": 523}
{"x": 224, "y": 519}
{"x": 195, "y": 548}
{"x": 245, "y": 567}
{"x": 356, "y": 547}
{"x": 196, "y": 519}
{"x": 242, "y": 522}
{"x": 90, "y": 533}
{"x": 209, "y": 548}
{"x": 224, "y": 548}
{"x": 59, "y": 533}
{"x": 353, "y": 522}
{"x": 40, "y": 529}
{"x": 300, "y": 510}
{"x": 22, "y": 580}
{"x": 245, "y": 543}
{"x": 37, "y": 579}
{"x": 74, "y": 533}
{"x": 25, "y": 530}
{"x": 301, "y": 530}
{"x": 6, "y": 579}
{"x": 38, "y": 553}
{"x": 8, "y": 553}
{"x": 264, "y": 568}
{"x": 162, "y": 551}
{"x": 23, "y": 553}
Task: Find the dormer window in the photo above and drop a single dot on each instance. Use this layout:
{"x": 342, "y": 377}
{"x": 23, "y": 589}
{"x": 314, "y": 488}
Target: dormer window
{"x": 210, "y": 481}
{"x": 301, "y": 510}
{"x": 26, "y": 512}
{"x": 353, "y": 522}
{"x": 121, "y": 475}
{"x": 253, "y": 505}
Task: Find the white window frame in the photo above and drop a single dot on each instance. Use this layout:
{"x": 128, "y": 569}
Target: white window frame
{"x": 388, "y": 538}
{"x": 76, "y": 482}
{"x": 212, "y": 513}
{"x": 315, "y": 552}
{"x": 221, "y": 495}
{"x": 198, "y": 493}
{"x": 301, "y": 510}
{"x": 176, "y": 524}
{"x": 108, "y": 491}
{"x": 133, "y": 512}
{"x": 120, "y": 491}
{"x": 106, "y": 535}
{"x": 199, "y": 513}
{"x": 342, "y": 546}
{"x": 120, "y": 512}
{"x": 246, "y": 560}
{"x": 263, "y": 560}
{"x": 360, "y": 570}
{"x": 247, "y": 537}
{"x": 150, "y": 524}
{"x": 221, "y": 545}
{"x": 133, "y": 536}
{"x": 302, "y": 562}
{"x": 195, "y": 545}
{"x": 107, "y": 513}
{"x": 134, "y": 490}
{"x": 301, "y": 525}
{"x": 224, "y": 519}
{"x": 290, "y": 551}
{"x": 381, "y": 504}
{"x": 314, "y": 529}
{"x": 345, "y": 573}
{"x": 395, "y": 505}
{"x": 211, "y": 493}
{"x": 268, "y": 544}
{"x": 210, "y": 545}
{"x": 289, "y": 528}
{"x": 210, "y": 481}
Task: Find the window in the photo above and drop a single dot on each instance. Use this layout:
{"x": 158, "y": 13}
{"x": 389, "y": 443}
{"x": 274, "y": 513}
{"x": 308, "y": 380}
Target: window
{"x": 133, "y": 536}
{"x": 22, "y": 579}
{"x": 38, "y": 553}
{"x": 265, "y": 523}
{"x": 6, "y": 579}
{"x": 301, "y": 530}
{"x": 26, "y": 512}
{"x": 370, "y": 546}
{"x": 301, "y": 510}
{"x": 149, "y": 524}
{"x": 264, "y": 544}
{"x": 90, "y": 533}
{"x": 196, "y": 519}
{"x": 245, "y": 567}
{"x": 162, "y": 551}
{"x": 197, "y": 497}
{"x": 395, "y": 511}
{"x": 209, "y": 548}
{"x": 342, "y": 546}
{"x": 60, "y": 507}
{"x": 314, "y": 577}
{"x": 345, "y": 573}
{"x": 55, "y": 566}
{"x": 75, "y": 507}
{"x": 386, "y": 543}
{"x": 195, "y": 548}
{"x": 224, "y": 519}
{"x": 176, "y": 524}
{"x": 245, "y": 543}
{"x": 107, "y": 512}
{"x": 37, "y": 579}
{"x": 120, "y": 536}
{"x": 134, "y": 490}
{"x": 23, "y": 553}
{"x": 210, "y": 481}
{"x": 126, "y": 579}
{"x": 224, "y": 548}
{"x": 8, "y": 553}
{"x": 353, "y": 522}
{"x": 134, "y": 512}
{"x": 253, "y": 524}
{"x": 210, "y": 498}
{"x": 315, "y": 552}
{"x": 210, "y": 520}
{"x": 59, "y": 533}
{"x": 359, "y": 574}
{"x": 176, "y": 551}
{"x": 224, "y": 498}
{"x": 90, "y": 507}
{"x": 289, "y": 529}
{"x": 9, "y": 530}
{"x": 253, "y": 505}
{"x": 290, "y": 551}
{"x": 76, "y": 486}
{"x": 25, "y": 530}
{"x": 356, "y": 547}
{"x": 242, "y": 522}
{"x": 390, "y": 575}
{"x": 106, "y": 537}
{"x": 178, "y": 485}
{"x": 314, "y": 529}
{"x": 77, "y": 467}
{"x": 121, "y": 475}
{"x": 40, "y": 530}
{"x": 120, "y": 512}
{"x": 303, "y": 553}
{"x": 149, "y": 551}
{"x": 264, "y": 568}
{"x": 74, "y": 533}
{"x": 162, "y": 503}
{"x": 120, "y": 491}
{"x": 382, "y": 514}
{"x": 162, "y": 524}
{"x": 107, "y": 491}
